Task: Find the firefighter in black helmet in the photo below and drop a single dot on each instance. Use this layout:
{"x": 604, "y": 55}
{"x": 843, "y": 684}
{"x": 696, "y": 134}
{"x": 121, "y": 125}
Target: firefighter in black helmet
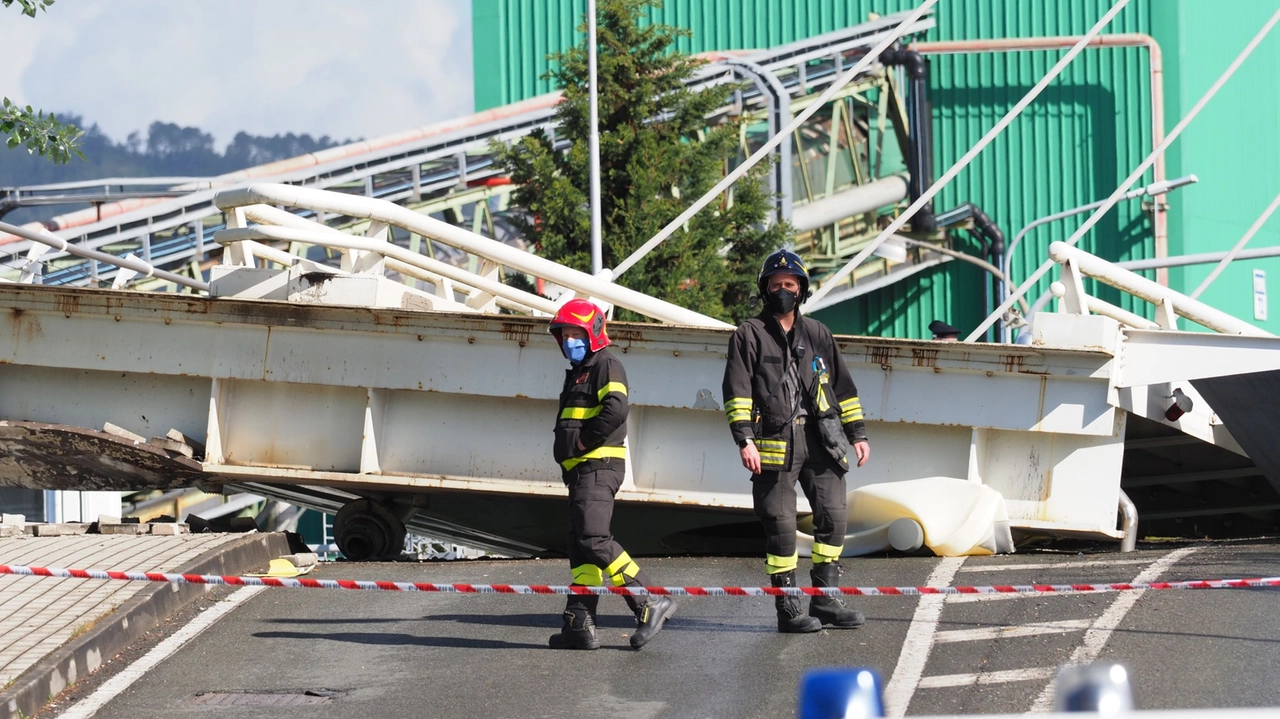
{"x": 794, "y": 411}
{"x": 591, "y": 426}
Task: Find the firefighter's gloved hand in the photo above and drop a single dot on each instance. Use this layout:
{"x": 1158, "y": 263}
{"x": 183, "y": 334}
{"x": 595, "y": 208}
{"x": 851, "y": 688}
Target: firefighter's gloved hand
{"x": 863, "y": 449}
{"x": 750, "y": 457}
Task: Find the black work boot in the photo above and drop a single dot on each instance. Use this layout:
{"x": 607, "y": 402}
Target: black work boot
{"x": 831, "y": 610}
{"x": 579, "y": 630}
{"x": 790, "y": 620}
{"x": 649, "y": 619}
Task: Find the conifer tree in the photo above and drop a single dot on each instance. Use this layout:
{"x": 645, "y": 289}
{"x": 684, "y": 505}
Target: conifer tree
{"x": 657, "y": 155}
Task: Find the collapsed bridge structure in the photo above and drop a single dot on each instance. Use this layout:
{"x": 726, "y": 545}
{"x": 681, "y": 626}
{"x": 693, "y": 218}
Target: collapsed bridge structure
{"x": 405, "y": 391}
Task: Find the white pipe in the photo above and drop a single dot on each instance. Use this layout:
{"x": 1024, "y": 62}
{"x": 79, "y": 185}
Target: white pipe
{"x": 1124, "y": 186}
{"x": 1153, "y": 292}
{"x": 1222, "y": 265}
{"x": 1152, "y": 190}
{"x": 593, "y": 141}
{"x": 383, "y": 211}
{"x": 267, "y": 252}
{"x": 1203, "y": 258}
{"x": 276, "y": 233}
{"x": 783, "y": 135}
{"x": 428, "y": 268}
{"x": 1106, "y": 309}
{"x": 927, "y": 196}
{"x": 854, "y": 201}
{"x": 142, "y": 268}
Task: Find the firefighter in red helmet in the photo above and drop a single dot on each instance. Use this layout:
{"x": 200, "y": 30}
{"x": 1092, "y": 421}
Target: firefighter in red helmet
{"x": 591, "y": 426}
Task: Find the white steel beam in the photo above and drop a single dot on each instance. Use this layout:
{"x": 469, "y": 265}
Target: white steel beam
{"x": 386, "y": 400}
{"x": 481, "y": 246}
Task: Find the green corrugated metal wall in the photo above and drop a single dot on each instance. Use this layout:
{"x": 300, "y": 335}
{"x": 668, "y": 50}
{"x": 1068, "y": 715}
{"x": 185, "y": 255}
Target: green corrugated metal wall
{"x": 1074, "y": 145}
{"x": 1233, "y": 146}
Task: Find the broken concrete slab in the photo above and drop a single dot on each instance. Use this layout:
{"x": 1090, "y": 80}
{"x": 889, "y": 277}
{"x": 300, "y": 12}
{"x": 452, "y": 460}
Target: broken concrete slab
{"x": 173, "y": 446}
{"x": 123, "y": 433}
{"x": 167, "y": 528}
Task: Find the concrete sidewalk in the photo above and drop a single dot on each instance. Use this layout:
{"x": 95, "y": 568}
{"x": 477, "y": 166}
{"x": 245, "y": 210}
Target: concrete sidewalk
{"x": 54, "y": 630}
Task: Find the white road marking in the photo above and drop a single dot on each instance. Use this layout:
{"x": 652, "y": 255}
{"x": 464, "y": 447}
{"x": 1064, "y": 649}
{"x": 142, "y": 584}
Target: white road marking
{"x": 915, "y": 648}
{"x": 88, "y": 706}
{"x": 1097, "y": 635}
{"x": 966, "y": 598}
{"x": 1008, "y": 632}
{"x": 1004, "y": 677}
{"x": 1054, "y": 566}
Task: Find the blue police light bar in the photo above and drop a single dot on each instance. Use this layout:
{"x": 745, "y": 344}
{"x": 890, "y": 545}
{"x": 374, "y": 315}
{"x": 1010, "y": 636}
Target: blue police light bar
{"x": 840, "y": 693}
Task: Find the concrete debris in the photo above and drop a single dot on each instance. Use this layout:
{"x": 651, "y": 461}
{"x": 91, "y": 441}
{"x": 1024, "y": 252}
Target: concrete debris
{"x": 168, "y": 529}
{"x": 13, "y": 519}
{"x": 306, "y": 559}
{"x": 108, "y": 526}
{"x": 122, "y": 529}
{"x": 173, "y": 445}
{"x": 116, "y": 431}
{"x": 58, "y": 530}
{"x": 177, "y": 436}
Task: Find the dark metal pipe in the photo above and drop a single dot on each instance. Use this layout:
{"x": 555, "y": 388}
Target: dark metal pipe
{"x": 920, "y": 151}
{"x": 986, "y": 230}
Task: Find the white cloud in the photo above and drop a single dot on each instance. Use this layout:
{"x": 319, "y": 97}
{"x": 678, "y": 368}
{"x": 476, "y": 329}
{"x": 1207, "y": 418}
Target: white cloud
{"x": 343, "y": 68}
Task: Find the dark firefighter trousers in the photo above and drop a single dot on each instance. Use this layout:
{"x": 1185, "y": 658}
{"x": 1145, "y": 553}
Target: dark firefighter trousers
{"x": 595, "y": 558}
{"x": 774, "y": 498}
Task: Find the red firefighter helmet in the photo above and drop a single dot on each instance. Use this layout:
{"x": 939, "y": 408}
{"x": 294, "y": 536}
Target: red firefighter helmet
{"x": 585, "y": 315}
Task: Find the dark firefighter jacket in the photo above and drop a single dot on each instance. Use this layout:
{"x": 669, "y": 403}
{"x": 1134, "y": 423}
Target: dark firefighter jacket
{"x": 760, "y": 404}
{"x": 593, "y": 408}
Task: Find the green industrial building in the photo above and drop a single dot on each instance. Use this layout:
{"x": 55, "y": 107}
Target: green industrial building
{"x": 1074, "y": 145}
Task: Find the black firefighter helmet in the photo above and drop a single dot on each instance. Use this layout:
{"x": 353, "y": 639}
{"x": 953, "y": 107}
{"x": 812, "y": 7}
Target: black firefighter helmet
{"x": 779, "y": 262}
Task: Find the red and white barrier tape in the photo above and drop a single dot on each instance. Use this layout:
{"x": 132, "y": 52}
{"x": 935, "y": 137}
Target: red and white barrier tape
{"x": 297, "y": 583}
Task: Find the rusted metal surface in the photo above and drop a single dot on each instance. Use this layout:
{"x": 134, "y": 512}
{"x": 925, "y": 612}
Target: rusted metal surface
{"x": 49, "y": 456}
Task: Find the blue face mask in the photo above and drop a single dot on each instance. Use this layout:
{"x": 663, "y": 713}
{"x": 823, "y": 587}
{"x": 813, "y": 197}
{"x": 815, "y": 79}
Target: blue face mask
{"x": 575, "y": 350}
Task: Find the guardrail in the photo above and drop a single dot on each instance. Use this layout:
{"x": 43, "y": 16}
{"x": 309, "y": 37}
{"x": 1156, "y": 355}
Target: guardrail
{"x": 255, "y": 200}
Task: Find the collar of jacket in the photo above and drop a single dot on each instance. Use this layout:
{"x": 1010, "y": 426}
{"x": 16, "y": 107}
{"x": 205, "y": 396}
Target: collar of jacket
{"x": 772, "y": 324}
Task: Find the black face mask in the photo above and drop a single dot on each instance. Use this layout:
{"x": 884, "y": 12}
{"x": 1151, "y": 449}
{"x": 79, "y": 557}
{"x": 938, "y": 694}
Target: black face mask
{"x": 781, "y": 301}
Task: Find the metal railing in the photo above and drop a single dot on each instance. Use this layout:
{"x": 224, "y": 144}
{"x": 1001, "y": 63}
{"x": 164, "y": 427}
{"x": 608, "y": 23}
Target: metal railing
{"x": 1077, "y": 264}
{"x": 256, "y": 200}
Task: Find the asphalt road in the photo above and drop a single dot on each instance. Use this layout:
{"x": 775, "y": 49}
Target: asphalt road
{"x": 393, "y": 654}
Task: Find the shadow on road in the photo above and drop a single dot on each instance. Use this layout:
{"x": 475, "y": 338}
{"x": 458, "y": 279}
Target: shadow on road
{"x": 603, "y": 621}
{"x": 395, "y": 639}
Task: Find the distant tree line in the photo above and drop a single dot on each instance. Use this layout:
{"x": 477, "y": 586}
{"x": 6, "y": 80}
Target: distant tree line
{"x": 165, "y": 150}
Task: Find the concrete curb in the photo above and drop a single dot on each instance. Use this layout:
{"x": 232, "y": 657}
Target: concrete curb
{"x": 141, "y": 613}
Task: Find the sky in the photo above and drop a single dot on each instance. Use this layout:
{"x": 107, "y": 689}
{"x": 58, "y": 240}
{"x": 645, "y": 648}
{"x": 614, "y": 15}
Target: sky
{"x": 342, "y": 68}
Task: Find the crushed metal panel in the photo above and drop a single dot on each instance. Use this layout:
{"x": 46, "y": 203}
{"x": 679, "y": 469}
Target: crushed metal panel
{"x": 1243, "y": 403}
{"x": 52, "y": 456}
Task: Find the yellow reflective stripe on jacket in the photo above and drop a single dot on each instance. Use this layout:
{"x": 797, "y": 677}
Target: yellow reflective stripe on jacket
{"x": 621, "y": 569}
{"x": 597, "y": 453}
{"x": 738, "y": 409}
{"x": 579, "y": 412}
{"x": 850, "y": 410}
{"x": 588, "y": 574}
{"x": 611, "y": 387}
{"x": 773, "y": 452}
{"x": 777, "y": 565}
{"x": 824, "y": 553}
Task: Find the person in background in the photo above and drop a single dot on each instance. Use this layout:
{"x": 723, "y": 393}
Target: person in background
{"x": 944, "y": 332}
